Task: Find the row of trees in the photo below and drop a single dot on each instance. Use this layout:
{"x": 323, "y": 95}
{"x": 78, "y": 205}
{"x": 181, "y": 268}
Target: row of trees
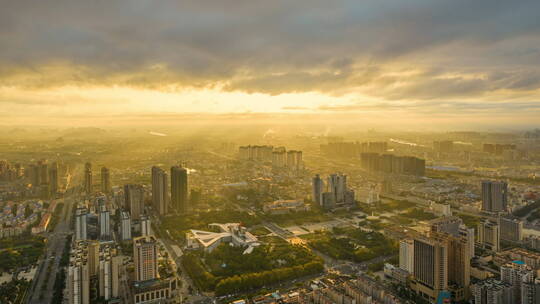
{"x": 250, "y": 281}
{"x": 355, "y": 245}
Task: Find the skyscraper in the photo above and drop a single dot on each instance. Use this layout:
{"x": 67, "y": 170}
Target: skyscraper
{"x": 318, "y": 186}
{"x": 88, "y": 178}
{"x": 145, "y": 258}
{"x": 160, "y": 191}
{"x": 179, "y": 189}
{"x": 430, "y": 267}
{"x": 134, "y": 200}
{"x": 494, "y": 196}
{"x": 81, "y": 215}
{"x": 105, "y": 180}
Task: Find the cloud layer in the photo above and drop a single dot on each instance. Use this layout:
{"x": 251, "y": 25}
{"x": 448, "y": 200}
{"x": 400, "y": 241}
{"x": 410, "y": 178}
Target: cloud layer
{"x": 433, "y": 53}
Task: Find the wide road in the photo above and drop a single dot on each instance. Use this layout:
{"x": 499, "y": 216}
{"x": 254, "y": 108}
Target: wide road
{"x": 43, "y": 285}
{"x": 42, "y": 289}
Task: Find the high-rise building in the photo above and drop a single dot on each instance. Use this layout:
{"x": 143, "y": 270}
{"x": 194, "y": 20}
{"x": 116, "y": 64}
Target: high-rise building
{"x": 530, "y": 292}
{"x": 179, "y": 189}
{"x": 492, "y": 291}
{"x": 53, "y": 178}
{"x": 279, "y": 158}
{"x": 109, "y": 276}
{"x": 517, "y": 273}
{"x": 445, "y": 146}
{"x": 134, "y": 200}
{"x": 338, "y": 193}
{"x": 489, "y": 235}
{"x": 43, "y": 171}
{"x": 406, "y": 255}
{"x": 318, "y": 186}
{"x": 81, "y": 215}
{"x": 446, "y": 224}
{"x": 469, "y": 234}
{"x": 92, "y": 257}
{"x": 32, "y": 173}
{"x": 78, "y": 283}
{"x": 337, "y": 185}
{"x": 160, "y": 191}
{"x": 430, "y": 268}
{"x": 458, "y": 263}
{"x": 125, "y": 226}
{"x": 88, "y": 185}
{"x": 80, "y": 273}
{"x": 105, "y": 180}
{"x": 494, "y": 196}
{"x": 146, "y": 227}
{"x": 145, "y": 258}
{"x": 104, "y": 224}
{"x": 511, "y": 228}
{"x": 388, "y": 163}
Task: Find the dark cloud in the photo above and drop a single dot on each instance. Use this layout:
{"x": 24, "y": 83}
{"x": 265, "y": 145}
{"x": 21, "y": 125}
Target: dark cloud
{"x": 275, "y": 47}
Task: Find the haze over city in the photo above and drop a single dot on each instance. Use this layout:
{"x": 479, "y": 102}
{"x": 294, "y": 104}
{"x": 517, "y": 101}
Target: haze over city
{"x": 269, "y": 152}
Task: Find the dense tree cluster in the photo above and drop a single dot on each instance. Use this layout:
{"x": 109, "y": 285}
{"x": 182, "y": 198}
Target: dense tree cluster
{"x": 354, "y": 245}
{"x": 227, "y": 270}
{"x": 13, "y": 291}
{"x": 20, "y": 252}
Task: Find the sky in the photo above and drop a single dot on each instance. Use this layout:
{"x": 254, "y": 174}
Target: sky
{"x": 417, "y": 61}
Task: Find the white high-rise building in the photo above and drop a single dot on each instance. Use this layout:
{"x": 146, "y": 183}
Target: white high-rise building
{"x": 109, "y": 274}
{"x": 79, "y": 283}
{"x": 406, "y": 255}
{"x": 81, "y": 217}
{"x": 146, "y": 228}
{"x": 125, "y": 226}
